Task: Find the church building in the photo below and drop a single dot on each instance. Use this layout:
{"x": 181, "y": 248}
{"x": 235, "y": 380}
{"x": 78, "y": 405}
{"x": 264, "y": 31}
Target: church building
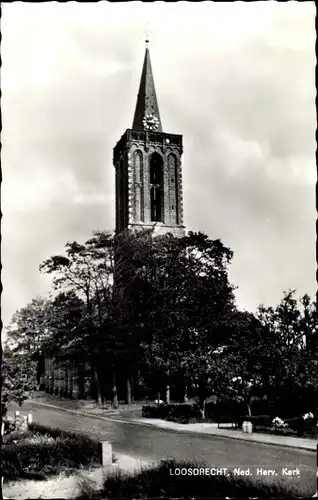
{"x": 148, "y": 186}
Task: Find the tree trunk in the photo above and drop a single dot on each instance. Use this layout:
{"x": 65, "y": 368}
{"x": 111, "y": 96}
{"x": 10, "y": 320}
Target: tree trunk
{"x": 185, "y": 396}
{"x": 249, "y": 411}
{"x": 202, "y": 407}
{"x": 133, "y": 388}
{"x": 97, "y": 385}
{"x": 115, "y": 396}
{"x": 167, "y": 394}
{"x": 128, "y": 396}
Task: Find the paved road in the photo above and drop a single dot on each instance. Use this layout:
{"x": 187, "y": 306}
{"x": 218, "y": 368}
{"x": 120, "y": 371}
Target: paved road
{"x": 154, "y": 444}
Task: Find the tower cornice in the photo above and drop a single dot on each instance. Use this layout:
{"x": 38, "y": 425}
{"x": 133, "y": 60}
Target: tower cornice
{"x": 148, "y": 138}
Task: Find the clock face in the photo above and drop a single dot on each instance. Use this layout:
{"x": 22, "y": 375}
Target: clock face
{"x": 150, "y": 122}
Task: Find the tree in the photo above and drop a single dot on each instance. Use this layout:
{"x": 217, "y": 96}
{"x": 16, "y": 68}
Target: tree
{"x": 28, "y": 331}
{"x": 242, "y": 369}
{"x": 133, "y": 257}
{"x": 65, "y": 326}
{"x": 294, "y": 381}
{"x": 309, "y": 324}
{"x": 64, "y": 346}
{"x": 18, "y": 378}
{"x": 209, "y": 304}
{"x": 87, "y": 270}
{"x": 171, "y": 282}
{"x": 266, "y": 357}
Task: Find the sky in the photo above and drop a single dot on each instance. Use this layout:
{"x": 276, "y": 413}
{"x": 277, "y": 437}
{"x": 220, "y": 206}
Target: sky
{"x": 236, "y": 79}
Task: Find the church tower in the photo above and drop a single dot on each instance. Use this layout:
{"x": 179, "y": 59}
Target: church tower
{"x": 147, "y": 162}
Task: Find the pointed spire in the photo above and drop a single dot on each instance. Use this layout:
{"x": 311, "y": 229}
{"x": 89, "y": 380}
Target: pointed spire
{"x": 147, "y": 104}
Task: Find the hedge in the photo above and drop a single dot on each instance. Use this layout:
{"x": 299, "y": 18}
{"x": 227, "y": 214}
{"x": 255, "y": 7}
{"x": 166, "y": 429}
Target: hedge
{"x": 180, "y": 412}
{"x": 56, "y": 432}
{"x": 217, "y": 411}
{"x": 256, "y": 420}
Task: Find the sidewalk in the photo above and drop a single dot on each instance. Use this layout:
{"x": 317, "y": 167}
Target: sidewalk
{"x": 212, "y": 429}
{"x": 89, "y": 409}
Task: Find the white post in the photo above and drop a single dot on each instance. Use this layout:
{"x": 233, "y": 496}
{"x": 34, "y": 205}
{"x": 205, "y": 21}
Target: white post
{"x": 30, "y": 418}
{"x": 107, "y": 455}
{"x": 249, "y": 427}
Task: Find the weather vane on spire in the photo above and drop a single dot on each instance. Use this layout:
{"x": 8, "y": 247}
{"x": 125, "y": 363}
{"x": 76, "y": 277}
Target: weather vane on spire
{"x": 147, "y": 33}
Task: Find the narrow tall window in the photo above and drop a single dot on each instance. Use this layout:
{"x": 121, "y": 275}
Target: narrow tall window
{"x": 138, "y": 172}
{"x": 123, "y": 195}
{"x": 118, "y": 198}
{"x": 174, "y": 194}
{"x": 156, "y": 182}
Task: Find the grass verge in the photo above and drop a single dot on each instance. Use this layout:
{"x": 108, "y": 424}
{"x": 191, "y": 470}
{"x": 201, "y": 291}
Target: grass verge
{"x": 43, "y": 451}
{"x": 160, "y": 482}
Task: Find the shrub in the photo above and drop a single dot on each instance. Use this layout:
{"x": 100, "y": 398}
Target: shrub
{"x": 158, "y": 482}
{"x": 16, "y": 436}
{"x": 292, "y": 427}
{"x": 308, "y": 415}
{"x": 151, "y": 411}
{"x": 55, "y": 432}
{"x": 192, "y": 420}
{"x": 303, "y": 427}
{"x": 176, "y": 412}
{"x": 9, "y": 425}
{"x": 273, "y": 430}
{"x": 310, "y": 427}
{"x": 182, "y": 420}
{"x": 226, "y": 410}
{"x": 52, "y": 450}
{"x": 278, "y": 423}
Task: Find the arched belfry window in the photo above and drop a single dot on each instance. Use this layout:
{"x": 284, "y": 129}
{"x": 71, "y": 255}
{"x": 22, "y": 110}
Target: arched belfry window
{"x": 156, "y": 188}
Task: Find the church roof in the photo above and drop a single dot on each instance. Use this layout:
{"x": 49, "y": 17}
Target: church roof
{"x": 147, "y": 103}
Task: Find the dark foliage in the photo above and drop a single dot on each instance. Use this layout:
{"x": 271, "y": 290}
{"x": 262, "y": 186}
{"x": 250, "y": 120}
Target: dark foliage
{"x": 224, "y": 411}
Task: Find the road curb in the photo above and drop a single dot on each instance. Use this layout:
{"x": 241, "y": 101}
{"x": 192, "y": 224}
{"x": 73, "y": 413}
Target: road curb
{"x": 154, "y": 426}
